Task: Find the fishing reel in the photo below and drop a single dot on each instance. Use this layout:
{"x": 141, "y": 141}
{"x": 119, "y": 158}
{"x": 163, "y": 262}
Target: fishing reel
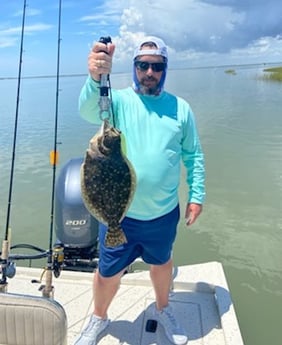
{"x": 54, "y": 265}
{"x": 10, "y": 269}
{"x": 105, "y": 40}
{"x": 7, "y": 268}
{"x": 58, "y": 259}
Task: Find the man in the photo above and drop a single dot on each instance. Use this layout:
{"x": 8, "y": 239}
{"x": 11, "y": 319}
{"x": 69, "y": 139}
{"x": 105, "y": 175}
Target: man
{"x": 159, "y": 130}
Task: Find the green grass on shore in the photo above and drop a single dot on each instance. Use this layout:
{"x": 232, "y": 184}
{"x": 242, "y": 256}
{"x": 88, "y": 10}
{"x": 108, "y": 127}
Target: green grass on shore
{"x": 273, "y": 73}
{"x": 230, "y": 71}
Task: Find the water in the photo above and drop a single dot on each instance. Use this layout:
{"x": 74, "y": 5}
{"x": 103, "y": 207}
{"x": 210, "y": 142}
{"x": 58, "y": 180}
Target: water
{"x": 240, "y": 123}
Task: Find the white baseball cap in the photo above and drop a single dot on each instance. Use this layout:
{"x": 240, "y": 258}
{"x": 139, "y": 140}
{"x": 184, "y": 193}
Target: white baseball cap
{"x": 158, "y": 42}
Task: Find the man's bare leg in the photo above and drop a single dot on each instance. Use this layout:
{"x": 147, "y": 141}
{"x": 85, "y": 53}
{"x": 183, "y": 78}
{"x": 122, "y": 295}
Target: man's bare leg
{"x": 161, "y": 276}
{"x": 104, "y": 290}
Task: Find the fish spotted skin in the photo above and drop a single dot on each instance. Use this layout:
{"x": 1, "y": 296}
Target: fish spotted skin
{"x": 115, "y": 237}
{"x": 108, "y": 182}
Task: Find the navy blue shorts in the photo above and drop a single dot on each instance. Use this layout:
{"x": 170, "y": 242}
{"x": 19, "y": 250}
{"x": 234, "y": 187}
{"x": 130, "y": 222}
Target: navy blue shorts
{"x": 152, "y": 240}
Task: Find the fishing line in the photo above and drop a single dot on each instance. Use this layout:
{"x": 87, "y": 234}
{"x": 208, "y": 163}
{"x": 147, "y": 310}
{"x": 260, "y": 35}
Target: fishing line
{"x": 54, "y": 155}
{"x": 15, "y": 127}
{"x": 5, "y": 245}
{"x": 111, "y": 100}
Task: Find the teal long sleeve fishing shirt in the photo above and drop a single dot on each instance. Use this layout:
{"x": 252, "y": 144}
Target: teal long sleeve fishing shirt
{"x": 159, "y": 132}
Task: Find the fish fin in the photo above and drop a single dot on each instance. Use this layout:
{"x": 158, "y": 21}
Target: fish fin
{"x": 115, "y": 237}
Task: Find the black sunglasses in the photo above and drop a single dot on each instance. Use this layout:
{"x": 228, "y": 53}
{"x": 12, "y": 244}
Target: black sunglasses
{"x": 144, "y": 66}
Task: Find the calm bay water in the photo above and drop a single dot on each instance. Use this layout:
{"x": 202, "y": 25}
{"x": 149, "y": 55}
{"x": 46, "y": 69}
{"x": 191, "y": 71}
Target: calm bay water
{"x": 240, "y": 123}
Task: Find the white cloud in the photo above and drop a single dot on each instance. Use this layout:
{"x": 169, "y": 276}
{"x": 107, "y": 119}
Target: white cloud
{"x": 197, "y": 32}
{"x": 10, "y": 36}
{"x": 266, "y": 47}
{"x": 29, "y": 12}
{"x": 200, "y": 30}
{"x": 6, "y": 42}
{"x": 32, "y": 12}
{"x": 37, "y": 27}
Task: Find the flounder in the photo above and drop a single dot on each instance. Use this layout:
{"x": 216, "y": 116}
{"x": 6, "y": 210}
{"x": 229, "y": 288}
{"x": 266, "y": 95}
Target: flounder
{"x": 108, "y": 182}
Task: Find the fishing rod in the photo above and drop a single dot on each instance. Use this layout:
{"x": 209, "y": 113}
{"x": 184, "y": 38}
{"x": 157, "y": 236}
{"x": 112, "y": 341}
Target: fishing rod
{"x": 105, "y": 100}
{"x": 5, "y": 265}
{"x": 47, "y": 289}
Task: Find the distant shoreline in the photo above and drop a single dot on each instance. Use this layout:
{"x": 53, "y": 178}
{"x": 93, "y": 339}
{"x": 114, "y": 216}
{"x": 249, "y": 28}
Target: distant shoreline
{"x": 46, "y": 76}
{"x": 262, "y": 64}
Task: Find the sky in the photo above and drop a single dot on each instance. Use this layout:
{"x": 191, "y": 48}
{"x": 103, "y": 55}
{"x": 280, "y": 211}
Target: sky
{"x": 198, "y": 33}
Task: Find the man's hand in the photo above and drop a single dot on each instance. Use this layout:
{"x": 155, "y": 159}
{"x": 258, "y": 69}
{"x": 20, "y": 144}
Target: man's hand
{"x": 192, "y": 213}
{"x": 100, "y": 59}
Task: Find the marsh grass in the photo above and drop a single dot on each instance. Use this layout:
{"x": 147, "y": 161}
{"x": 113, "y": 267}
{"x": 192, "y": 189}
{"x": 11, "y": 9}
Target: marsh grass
{"x": 230, "y": 71}
{"x": 273, "y": 74}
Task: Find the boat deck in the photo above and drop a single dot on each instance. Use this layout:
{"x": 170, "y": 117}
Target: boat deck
{"x": 200, "y": 297}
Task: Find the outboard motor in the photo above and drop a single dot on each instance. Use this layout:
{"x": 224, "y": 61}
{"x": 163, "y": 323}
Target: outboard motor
{"x": 76, "y": 229}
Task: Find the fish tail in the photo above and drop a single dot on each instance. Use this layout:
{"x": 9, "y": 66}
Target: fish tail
{"x": 115, "y": 237}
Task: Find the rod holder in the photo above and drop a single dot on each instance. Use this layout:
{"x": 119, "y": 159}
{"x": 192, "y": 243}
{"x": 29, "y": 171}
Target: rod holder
{"x": 48, "y": 288}
{"x": 4, "y": 262}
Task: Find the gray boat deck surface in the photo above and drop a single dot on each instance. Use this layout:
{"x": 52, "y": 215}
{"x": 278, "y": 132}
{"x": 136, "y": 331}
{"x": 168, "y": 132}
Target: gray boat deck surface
{"x": 200, "y": 298}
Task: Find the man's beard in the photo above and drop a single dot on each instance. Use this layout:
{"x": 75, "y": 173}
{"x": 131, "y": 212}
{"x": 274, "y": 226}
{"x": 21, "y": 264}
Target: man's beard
{"x": 149, "y": 90}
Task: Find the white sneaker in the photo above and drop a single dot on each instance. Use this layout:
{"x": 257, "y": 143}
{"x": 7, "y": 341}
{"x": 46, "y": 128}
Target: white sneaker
{"x": 95, "y": 327}
{"x": 172, "y": 329}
